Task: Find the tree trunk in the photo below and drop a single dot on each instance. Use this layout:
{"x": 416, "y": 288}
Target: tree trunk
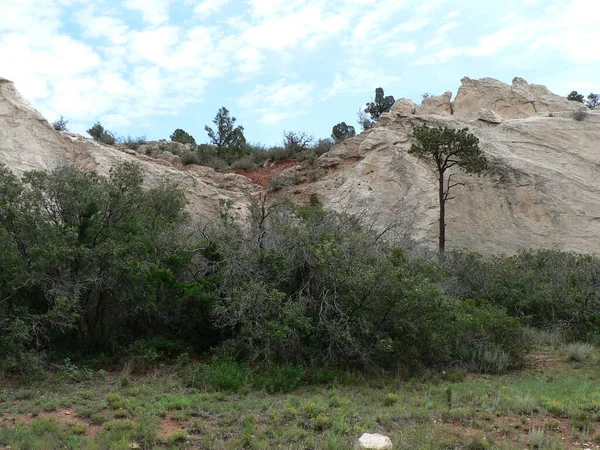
{"x": 442, "y": 234}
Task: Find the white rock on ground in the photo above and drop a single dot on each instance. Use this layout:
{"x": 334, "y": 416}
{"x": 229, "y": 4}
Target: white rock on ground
{"x": 374, "y": 441}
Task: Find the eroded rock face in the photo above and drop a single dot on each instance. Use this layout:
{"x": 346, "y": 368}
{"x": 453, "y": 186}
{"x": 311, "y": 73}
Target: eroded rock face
{"x": 518, "y": 100}
{"x": 542, "y": 190}
{"x": 439, "y": 105}
{"x": 404, "y": 107}
{"x": 28, "y": 142}
{"x": 487, "y": 115}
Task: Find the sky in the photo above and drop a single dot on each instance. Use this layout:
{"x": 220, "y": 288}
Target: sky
{"x": 148, "y": 67}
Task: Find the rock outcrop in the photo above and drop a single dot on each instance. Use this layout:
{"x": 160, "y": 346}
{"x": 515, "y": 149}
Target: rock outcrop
{"x": 28, "y": 142}
{"x": 542, "y": 190}
{"x": 515, "y": 101}
{"x": 487, "y": 115}
{"x": 437, "y": 104}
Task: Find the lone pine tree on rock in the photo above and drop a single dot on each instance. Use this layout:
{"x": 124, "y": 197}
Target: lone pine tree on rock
{"x": 448, "y": 147}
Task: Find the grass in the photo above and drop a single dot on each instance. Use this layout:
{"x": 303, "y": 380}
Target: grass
{"x": 551, "y": 404}
{"x": 579, "y": 351}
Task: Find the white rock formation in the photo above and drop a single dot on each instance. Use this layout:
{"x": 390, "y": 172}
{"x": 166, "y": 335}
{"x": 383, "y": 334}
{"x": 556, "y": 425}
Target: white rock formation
{"x": 519, "y": 100}
{"x": 439, "y": 105}
{"x": 543, "y": 189}
{"x": 487, "y": 115}
{"x": 374, "y": 442}
{"x": 404, "y": 107}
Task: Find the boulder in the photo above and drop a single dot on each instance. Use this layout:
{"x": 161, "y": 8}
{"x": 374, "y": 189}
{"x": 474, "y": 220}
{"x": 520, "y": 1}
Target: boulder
{"x": 404, "y": 107}
{"x": 439, "y": 105}
{"x": 487, "y": 115}
{"x": 374, "y": 441}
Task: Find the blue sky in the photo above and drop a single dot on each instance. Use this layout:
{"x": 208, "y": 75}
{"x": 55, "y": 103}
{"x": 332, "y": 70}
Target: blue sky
{"x": 147, "y": 67}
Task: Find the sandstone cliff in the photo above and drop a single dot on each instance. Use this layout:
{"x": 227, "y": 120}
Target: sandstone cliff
{"x": 543, "y": 189}
{"x": 28, "y": 142}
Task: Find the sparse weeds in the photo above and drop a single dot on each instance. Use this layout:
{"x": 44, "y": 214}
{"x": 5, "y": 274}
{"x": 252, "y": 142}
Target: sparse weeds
{"x": 425, "y": 413}
{"x": 578, "y": 351}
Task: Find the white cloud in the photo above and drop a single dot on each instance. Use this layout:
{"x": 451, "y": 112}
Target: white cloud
{"x": 249, "y": 60}
{"x": 125, "y": 70}
{"x": 155, "y": 12}
{"x": 359, "y": 79}
{"x": 277, "y": 102}
{"x": 208, "y": 7}
{"x": 307, "y": 25}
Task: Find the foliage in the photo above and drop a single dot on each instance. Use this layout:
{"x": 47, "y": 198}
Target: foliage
{"x": 447, "y": 148}
{"x": 132, "y": 143}
{"x": 341, "y": 132}
{"x": 575, "y": 96}
{"x": 78, "y": 247}
{"x": 101, "y": 135}
{"x": 182, "y": 137}
{"x": 60, "y": 124}
{"x": 296, "y": 141}
{"x": 380, "y": 105}
{"x": 90, "y": 264}
{"x": 225, "y": 135}
{"x": 591, "y": 101}
{"x": 545, "y": 289}
{"x": 316, "y": 288}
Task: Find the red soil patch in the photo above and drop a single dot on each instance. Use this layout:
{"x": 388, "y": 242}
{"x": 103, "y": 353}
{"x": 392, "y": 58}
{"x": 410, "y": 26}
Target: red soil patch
{"x": 167, "y": 427}
{"x": 63, "y": 416}
{"x": 266, "y": 173}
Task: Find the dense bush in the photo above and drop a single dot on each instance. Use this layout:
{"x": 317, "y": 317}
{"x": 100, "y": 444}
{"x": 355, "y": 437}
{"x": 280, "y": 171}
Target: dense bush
{"x": 316, "y": 288}
{"x": 87, "y": 260}
{"x": 98, "y": 266}
{"x": 544, "y": 289}
{"x": 102, "y": 135}
{"x": 182, "y": 137}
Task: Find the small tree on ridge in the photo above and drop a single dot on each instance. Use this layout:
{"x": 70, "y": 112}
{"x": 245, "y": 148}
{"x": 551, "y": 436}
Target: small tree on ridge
{"x": 447, "y": 148}
{"x": 225, "y": 135}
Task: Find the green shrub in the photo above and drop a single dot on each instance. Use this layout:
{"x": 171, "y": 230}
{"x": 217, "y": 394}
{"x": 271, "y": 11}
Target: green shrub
{"x": 544, "y": 289}
{"x": 182, "y": 137}
{"x": 490, "y": 359}
{"x": 190, "y": 158}
{"x": 133, "y": 143}
{"x": 282, "y": 378}
{"x": 99, "y": 134}
{"x": 218, "y": 375}
{"x": 490, "y": 340}
{"x": 247, "y": 162}
{"x": 391, "y": 399}
{"x": 579, "y": 351}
